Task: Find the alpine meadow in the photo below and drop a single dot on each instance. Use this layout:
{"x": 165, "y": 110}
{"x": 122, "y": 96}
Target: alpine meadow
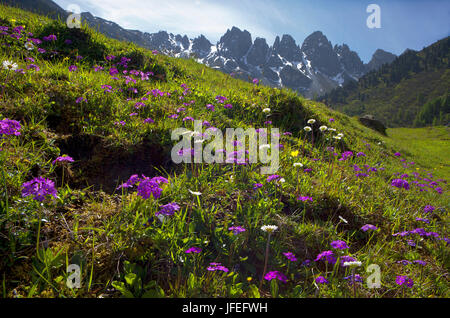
{"x": 93, "y": 205}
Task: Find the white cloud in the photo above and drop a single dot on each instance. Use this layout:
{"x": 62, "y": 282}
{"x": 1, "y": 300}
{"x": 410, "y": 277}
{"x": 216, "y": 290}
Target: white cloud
{"x": 191, "y": 17}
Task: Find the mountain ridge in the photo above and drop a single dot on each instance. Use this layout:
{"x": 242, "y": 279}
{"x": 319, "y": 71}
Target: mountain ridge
{"x": 313, "y": 68}
{"x": 398, "y": 92}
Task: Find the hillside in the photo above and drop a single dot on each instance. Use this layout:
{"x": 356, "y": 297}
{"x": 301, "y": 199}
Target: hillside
{"x": 397, "y": 92}
{"x": 312, "y": 68}
{"x": 87, "y": 179}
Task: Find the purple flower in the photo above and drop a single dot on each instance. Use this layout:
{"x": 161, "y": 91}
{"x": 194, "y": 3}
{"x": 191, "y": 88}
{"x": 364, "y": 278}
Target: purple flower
{"x": 290, "y": 256}
{"x": 50, "y": 37}
{"x": 168, "y": 209}
{"x": 404, "y": 262}
{"x": 188, "y": 118}
{"x": 80, "y": 99}
{"x": 220, "y": 98}
{"x": 255, "y": 81}
{"x": 411, "y": 243}
{"x": 429, "y": 208}
{"x": 331, "y": 120}
{"x": 423, "y": 220}
{"x": 236, "y": 229}
{"x": 304, "y": 199}
{"x": 9, "y": 127}
{"x": 360, "y": 154}
{"x": 321, "y": 280}
{"x": 33, "y": 66}
{"x": 404, "y": 280}
{"x": 149, "y": 187}
{"x": 420, "y": 262}
{"x": 306, "y": 263}
{"x": 340, "y": 245}
{"x": 397, "y": 154}
{"x": 217, "y": 267}
{"x": 130, "y": 183}
{"x": 272, "y": 177}
{"x": 68, "y": 42}
{"x": 350, "y": 279}
{"x": 257, "y": 186}
{"x": 346, "y": 258}
{"x": 276, "y": 275}
{"x": 195, "y": 250}
{"x": 346, "y": 155}
{"x": 367, "y": 227}
{"x": 228, "y": 106}
{"x": 326, "y": 256}
{"x": 64, "y": 158}
{"x": 400, "y": 183}
{"x": 39, "y": 187}
{"x": 149, "y": 121}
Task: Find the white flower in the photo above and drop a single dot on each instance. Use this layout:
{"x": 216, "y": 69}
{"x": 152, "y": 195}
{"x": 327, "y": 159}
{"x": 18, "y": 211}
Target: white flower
{"x": 161, "y": 217}
{"x": 340, "y": 135}
{"x": 323, "y": 128}
{"x": 332, "y": 129}
{"x": 29, "y": 46}
{"x": 10, "y": 66}
{"x": 307, "y": 128}
{"x": 266, "y": 110}
{"x": 353, "y": 263}
{"x": 298, "y": 164}
{"x": 195, "y": 193}
{"x": 337, "y": 137}
{"x": 342, "y": 219}
{"x": 264, "y": 146}
{"x": 199, "y": 141}
{"x": 269, "y": 228}
{"x": 311, "y": 121}
{"x": 282, "y": 180}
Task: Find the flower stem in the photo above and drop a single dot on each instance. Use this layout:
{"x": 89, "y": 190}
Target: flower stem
{"x": 265, "y": 261}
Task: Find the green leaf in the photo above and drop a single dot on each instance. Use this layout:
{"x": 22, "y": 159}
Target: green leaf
{"x": 120, "y": 286}
{"x": 253, "y": 291}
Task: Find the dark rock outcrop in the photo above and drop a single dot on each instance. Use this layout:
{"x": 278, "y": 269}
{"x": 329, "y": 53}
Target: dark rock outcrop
{"x": 371, "y": 122}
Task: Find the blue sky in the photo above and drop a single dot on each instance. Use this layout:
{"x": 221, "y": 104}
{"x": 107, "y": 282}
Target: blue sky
{"x": 405, "y": 24}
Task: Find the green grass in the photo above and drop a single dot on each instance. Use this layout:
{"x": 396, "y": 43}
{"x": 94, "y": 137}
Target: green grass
{"x": 429, "y": 146}
{"x": 123, "y": 249}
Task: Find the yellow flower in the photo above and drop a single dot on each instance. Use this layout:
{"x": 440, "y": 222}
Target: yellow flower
{"x": 249, "y": 279}
{"x": 294, "y": 153}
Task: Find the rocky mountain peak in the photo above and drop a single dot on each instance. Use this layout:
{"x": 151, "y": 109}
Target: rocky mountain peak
{"x": 318, "y": 50}
{"x": 235, "y": 43}
{"x": 201, "y": 46}
{"x": 379, "y": 58}
{"x": 287, "y": 48}
{"x": 350, "y": 60}
{"x": 257, "y": 54}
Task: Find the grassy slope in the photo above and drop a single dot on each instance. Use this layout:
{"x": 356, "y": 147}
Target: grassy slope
{"x": 430, "y": 146}
{"x": 107, "y": 231}
{"x": 404, "y": 97}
